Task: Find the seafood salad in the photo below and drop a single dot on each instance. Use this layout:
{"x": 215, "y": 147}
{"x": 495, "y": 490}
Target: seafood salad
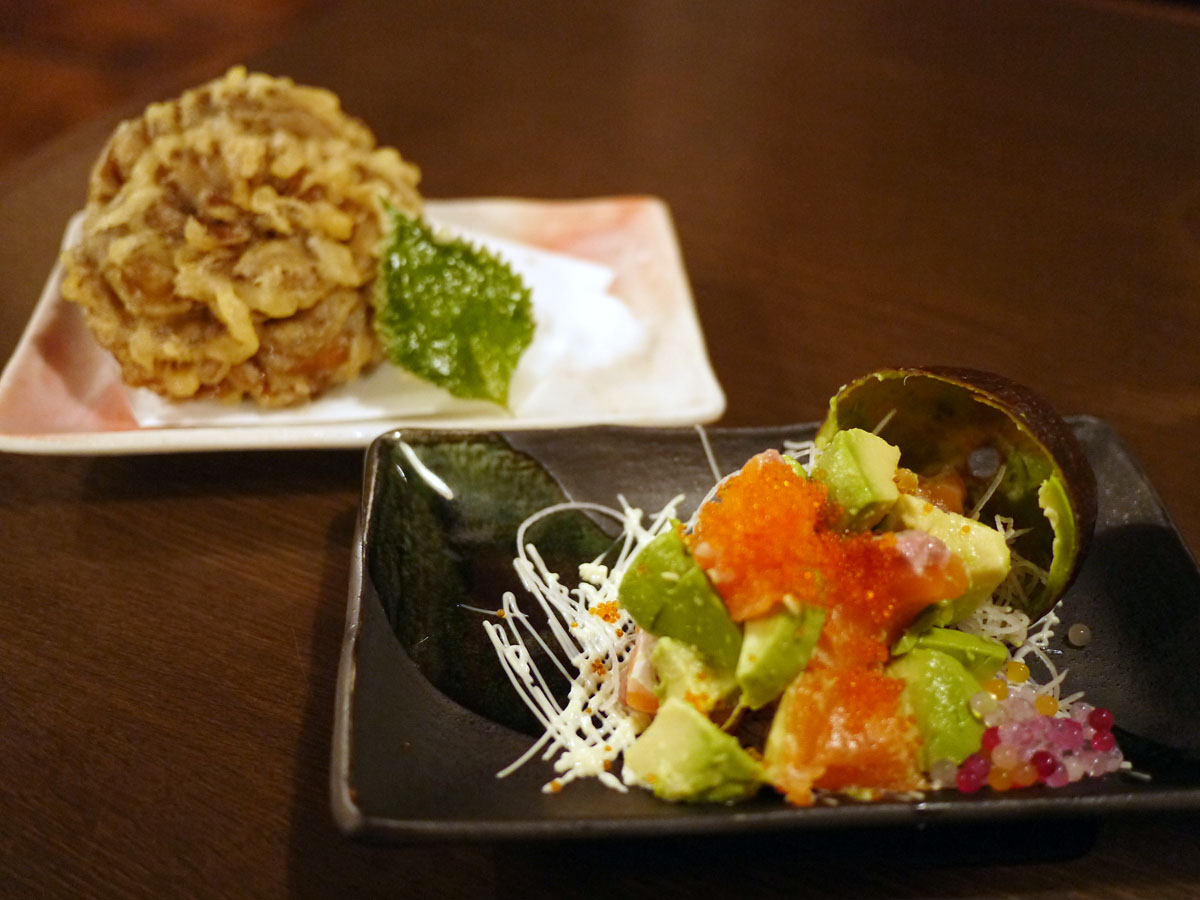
{"x": 864, "y": 615}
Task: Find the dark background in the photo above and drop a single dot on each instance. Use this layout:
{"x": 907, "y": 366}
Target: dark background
{"x": 64, "y": 61}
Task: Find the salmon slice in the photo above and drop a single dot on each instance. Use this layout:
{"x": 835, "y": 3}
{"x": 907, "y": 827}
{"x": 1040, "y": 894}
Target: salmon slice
{"x": 842, "y": 729}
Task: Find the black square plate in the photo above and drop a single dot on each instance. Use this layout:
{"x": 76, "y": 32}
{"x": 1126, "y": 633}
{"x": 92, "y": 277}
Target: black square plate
{"x": 425, "y": 717}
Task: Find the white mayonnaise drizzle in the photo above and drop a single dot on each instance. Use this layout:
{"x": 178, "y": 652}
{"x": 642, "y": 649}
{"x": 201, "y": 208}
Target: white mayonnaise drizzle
{"x": 593, "y": 638}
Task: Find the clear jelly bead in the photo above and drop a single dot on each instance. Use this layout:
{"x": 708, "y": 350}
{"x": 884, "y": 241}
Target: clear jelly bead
{"x": 1019, "y": 709}
{"x": 1075, "y": 769}
{"x": 982, "y": 703}
{"x": 1006, "y": 756}
{"x": 943, "y": 773}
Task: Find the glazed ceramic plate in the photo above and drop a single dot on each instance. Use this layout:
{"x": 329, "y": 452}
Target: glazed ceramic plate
{"x": 643, "y": 362}
{"x": 425, "y": 717}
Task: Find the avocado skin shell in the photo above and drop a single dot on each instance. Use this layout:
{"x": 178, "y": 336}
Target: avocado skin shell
{"x": 1031, "y": 413}
{"x": 1041, "y": 420}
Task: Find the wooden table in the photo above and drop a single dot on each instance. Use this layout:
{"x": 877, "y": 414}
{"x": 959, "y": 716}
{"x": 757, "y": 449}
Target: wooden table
{"x": 1007, "y": 185}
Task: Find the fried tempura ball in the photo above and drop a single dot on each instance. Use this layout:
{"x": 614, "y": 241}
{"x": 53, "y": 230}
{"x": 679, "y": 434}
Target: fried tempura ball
{"x": 230, "y": 242}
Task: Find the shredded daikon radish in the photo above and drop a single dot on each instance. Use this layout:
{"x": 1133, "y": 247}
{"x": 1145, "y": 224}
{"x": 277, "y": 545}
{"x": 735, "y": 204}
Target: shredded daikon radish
{"x": 586, "y": 734}
{"x": 987, "y": 495}
{"x": 883, "y": 423}
{"x": 804, "y": 452}
{"x": 708, "y": 453}
{"x": 998, "y": 621}
{"x": 1024, "y": 577}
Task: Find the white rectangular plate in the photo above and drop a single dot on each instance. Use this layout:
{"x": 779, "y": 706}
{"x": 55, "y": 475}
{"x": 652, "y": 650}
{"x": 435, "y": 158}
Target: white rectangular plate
{"x": 61, "y": 393}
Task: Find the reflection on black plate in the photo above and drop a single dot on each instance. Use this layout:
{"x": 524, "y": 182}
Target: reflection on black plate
{"x": 425, "y": 717}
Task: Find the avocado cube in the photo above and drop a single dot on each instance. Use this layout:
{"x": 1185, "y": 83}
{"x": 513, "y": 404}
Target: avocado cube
{"x": 652, "y": 575}
{"x": 938, "y": 690}
{"x": 668, "y": 595}
{"x": 683, "y": 756}
{"x": 775, "y": 649}
{"x": 981, "y": 656}
{"x": 859, "y": 468}
{"x": 683, "y": 672}
{"x": 982, "y": 549}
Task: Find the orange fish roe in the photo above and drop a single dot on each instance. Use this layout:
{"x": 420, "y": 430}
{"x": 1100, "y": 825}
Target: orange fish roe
{"x": 757, "y": 539}
{"x": 765, "y": 539}
{"x": 844, "y": 729}
{"x": 608, "y": 611}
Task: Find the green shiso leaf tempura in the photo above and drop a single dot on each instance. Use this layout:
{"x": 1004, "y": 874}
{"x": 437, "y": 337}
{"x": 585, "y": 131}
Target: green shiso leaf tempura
{"x": 451, "y": 313}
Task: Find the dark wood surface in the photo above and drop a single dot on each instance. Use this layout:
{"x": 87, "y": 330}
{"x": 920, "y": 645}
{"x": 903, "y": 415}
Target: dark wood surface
{"x": 62, "y": 61}
{"x": 1007, "y": 185}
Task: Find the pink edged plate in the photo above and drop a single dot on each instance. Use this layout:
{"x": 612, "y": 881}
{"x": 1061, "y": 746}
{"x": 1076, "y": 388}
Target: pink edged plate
{"x": 618, "y": 343}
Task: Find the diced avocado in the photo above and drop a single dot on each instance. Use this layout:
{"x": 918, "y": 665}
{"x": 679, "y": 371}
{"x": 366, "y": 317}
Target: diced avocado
{"x": 684, "y": 673}
{"x": 982, "y": 549}
{"x": 779, "y": 737}
{"x": 670, "y": 596}
{"x": 859, "y": 468}
{"x": 696, "y": 614}
{"x": 981, "y": 656}
{"x": 654, "y": 572}
{"x": 938, "y": 689}
{"x": 683, "y": 756}
{"x": 775, "y": 649}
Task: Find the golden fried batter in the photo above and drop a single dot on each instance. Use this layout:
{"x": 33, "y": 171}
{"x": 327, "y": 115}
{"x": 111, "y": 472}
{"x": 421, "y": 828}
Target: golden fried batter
{"x": 231, "y": 242}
